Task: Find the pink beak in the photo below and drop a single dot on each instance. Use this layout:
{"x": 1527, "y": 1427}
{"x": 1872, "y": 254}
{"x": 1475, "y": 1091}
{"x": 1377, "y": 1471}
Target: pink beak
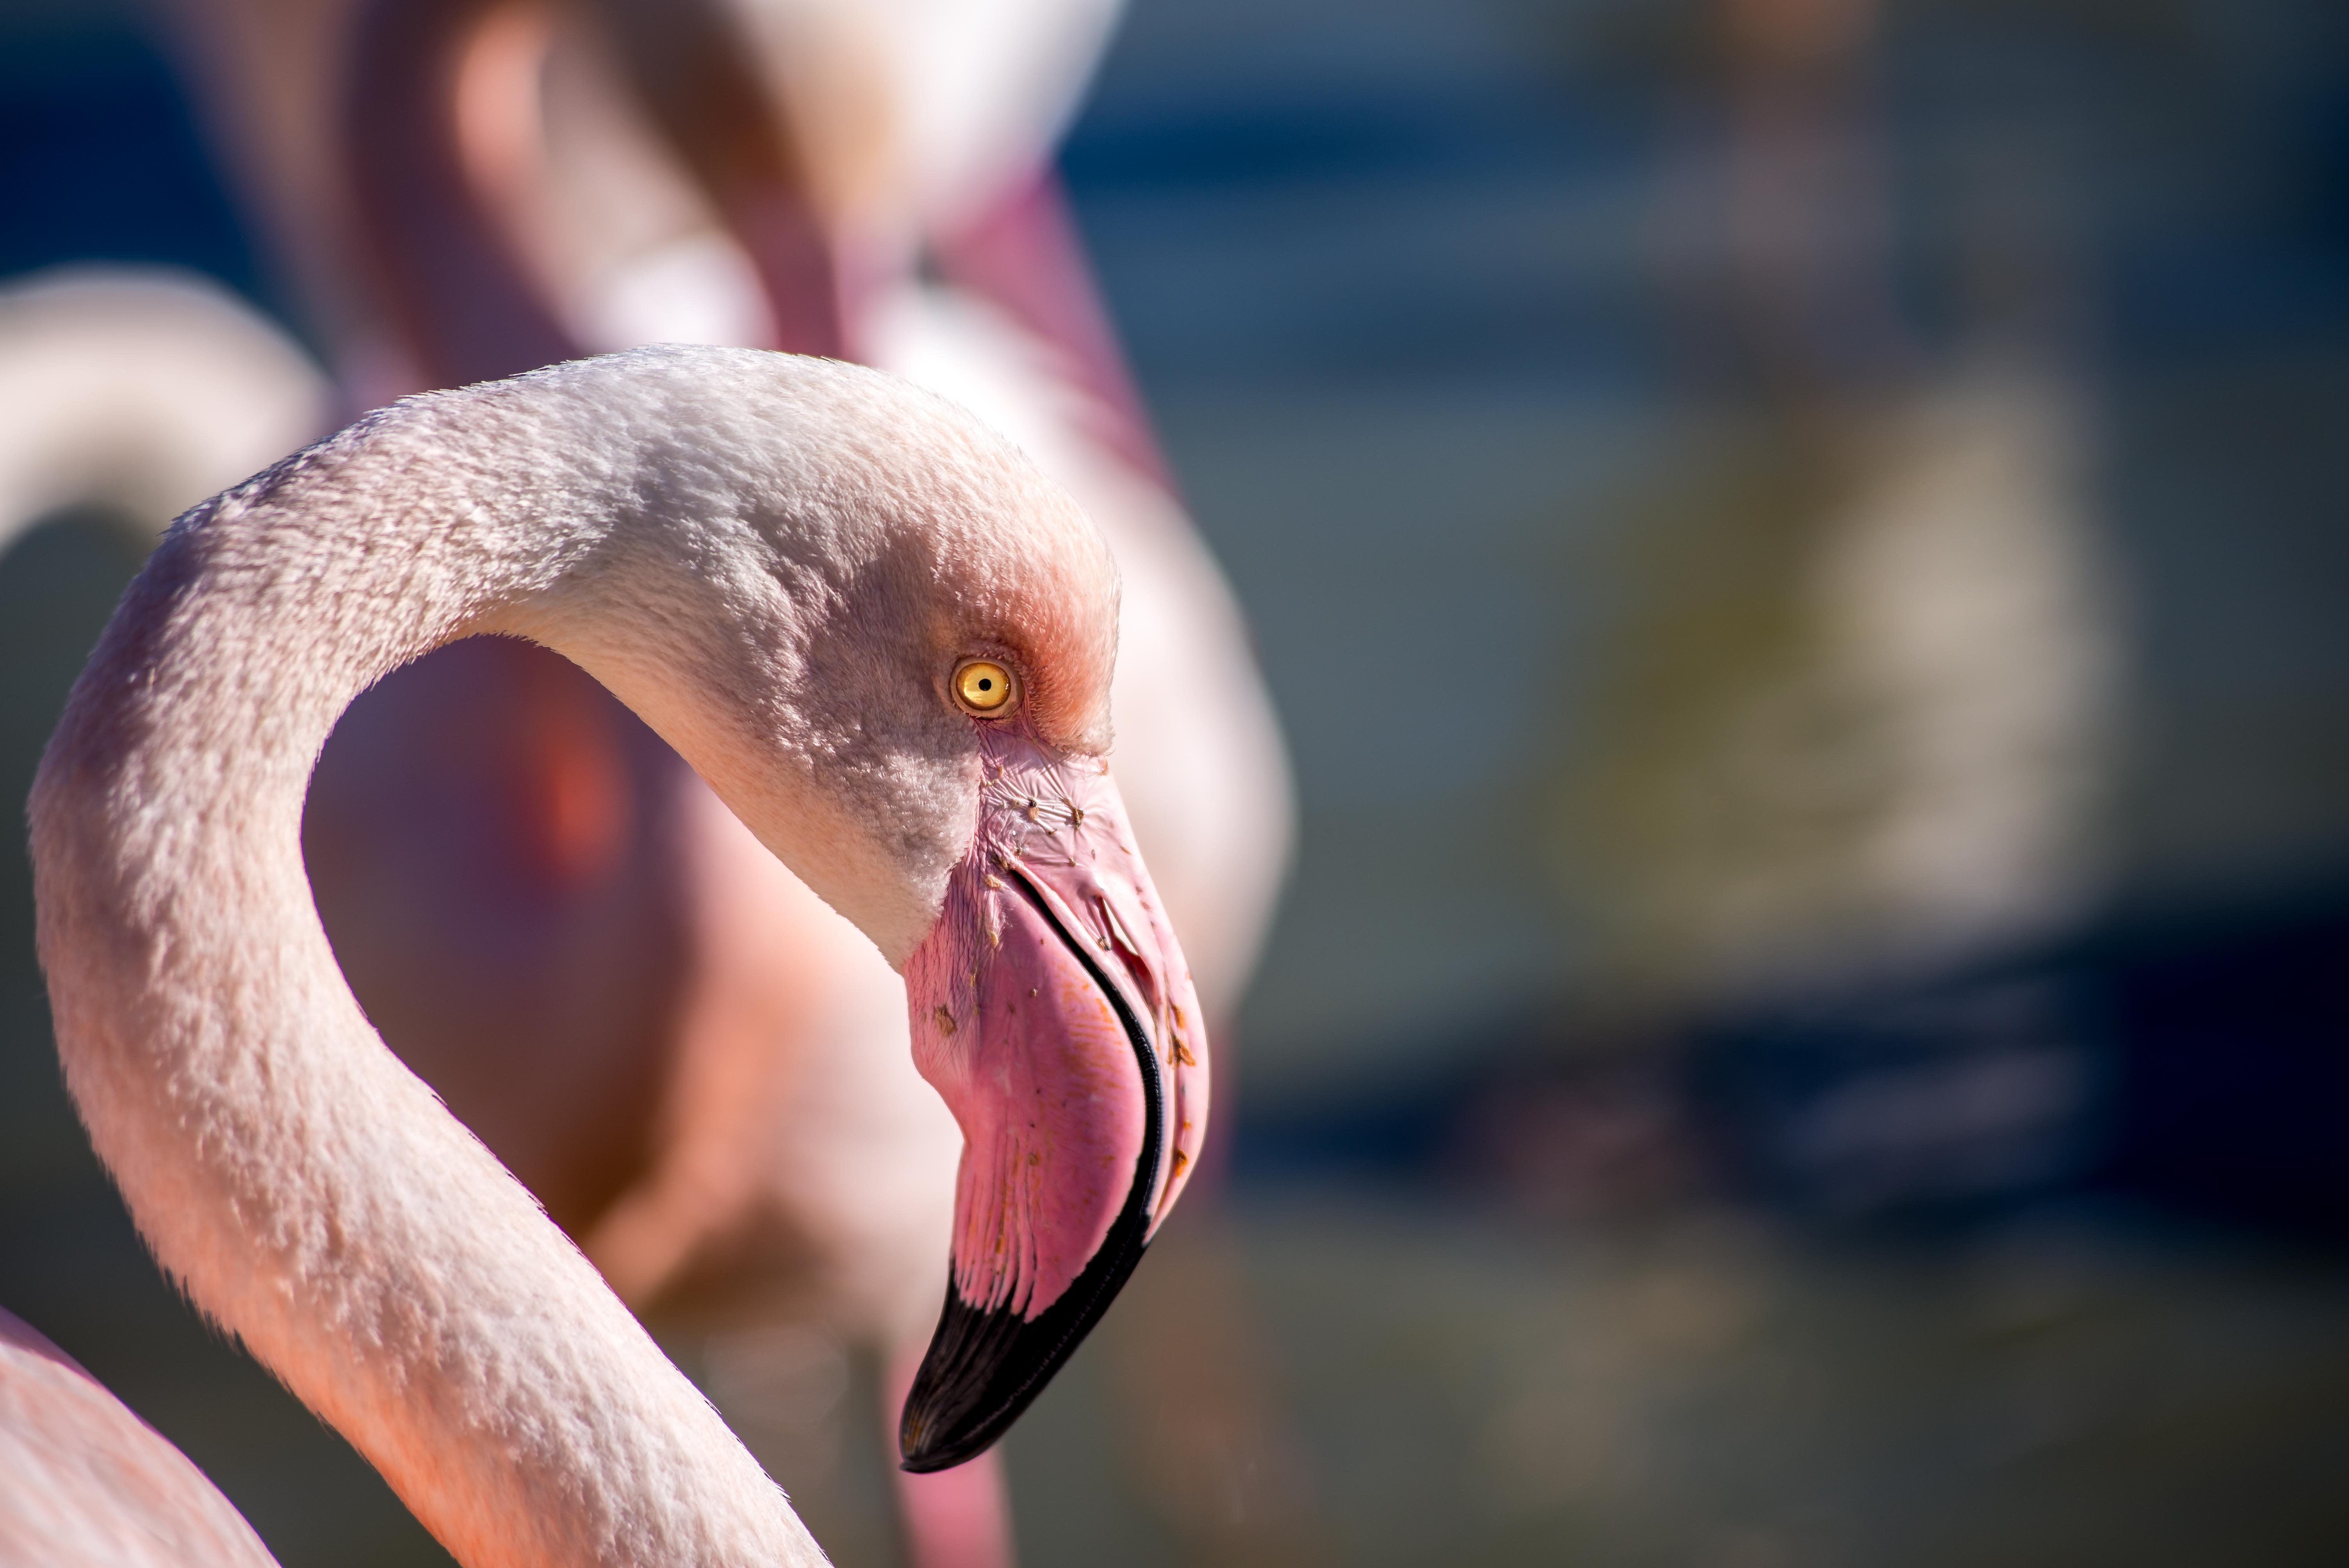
{"x": 1053, "y": 1011}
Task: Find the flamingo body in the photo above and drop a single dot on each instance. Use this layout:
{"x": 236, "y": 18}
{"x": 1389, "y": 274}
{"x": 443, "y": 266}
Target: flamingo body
{"x": 83, "y": 1480}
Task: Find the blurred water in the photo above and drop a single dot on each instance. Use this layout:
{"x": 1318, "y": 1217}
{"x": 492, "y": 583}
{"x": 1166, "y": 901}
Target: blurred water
{"x": 1401, "y": 282}
{"x": 1474, "y": 1390}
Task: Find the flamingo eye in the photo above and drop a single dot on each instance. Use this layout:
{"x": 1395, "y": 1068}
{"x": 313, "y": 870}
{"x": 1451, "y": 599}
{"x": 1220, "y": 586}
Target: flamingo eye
{"x": 985, "y": 688}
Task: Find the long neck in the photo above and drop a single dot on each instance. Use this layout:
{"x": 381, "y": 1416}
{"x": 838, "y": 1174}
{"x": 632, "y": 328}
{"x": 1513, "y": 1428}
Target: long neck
{"x": 310, "y": 1193}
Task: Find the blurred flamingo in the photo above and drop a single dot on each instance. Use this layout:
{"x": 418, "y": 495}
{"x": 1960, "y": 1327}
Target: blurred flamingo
{"x": 83, "y": 1480}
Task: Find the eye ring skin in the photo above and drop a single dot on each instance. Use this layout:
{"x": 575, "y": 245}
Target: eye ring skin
{"x": 985, "y": 688}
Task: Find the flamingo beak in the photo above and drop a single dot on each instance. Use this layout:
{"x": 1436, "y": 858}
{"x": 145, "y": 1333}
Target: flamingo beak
{"x": 1052, "y": 1010}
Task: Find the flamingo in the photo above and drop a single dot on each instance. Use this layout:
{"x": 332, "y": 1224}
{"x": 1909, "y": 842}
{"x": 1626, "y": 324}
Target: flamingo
{"x": 544, "y": 911}
{"x": 887, "y": 641}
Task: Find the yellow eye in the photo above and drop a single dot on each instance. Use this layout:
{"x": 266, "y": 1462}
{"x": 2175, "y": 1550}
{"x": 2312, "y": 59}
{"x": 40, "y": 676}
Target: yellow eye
{"x": 985, "y": 688}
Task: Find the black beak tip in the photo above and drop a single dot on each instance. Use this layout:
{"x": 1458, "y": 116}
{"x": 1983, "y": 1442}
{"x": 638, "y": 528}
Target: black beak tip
{"x": 986, "y": 1366}
{"x": 930, "y": 1441}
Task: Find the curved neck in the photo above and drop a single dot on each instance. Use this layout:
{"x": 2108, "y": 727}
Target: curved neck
{"x": 312, "y": 1195}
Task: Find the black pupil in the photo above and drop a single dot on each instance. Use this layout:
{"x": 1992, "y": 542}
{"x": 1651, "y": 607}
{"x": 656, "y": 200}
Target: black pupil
{"x": 985, "y": 684}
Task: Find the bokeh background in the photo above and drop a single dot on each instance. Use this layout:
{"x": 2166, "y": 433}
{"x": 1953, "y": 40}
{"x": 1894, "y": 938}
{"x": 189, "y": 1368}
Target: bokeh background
{"x": 1802, "y": 549}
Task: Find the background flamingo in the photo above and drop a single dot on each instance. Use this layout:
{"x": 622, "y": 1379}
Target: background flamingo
{"x": 87, "y": 1482}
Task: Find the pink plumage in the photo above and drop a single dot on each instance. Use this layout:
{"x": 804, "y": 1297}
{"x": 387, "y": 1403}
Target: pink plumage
{"x": 84, "y": 1482}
